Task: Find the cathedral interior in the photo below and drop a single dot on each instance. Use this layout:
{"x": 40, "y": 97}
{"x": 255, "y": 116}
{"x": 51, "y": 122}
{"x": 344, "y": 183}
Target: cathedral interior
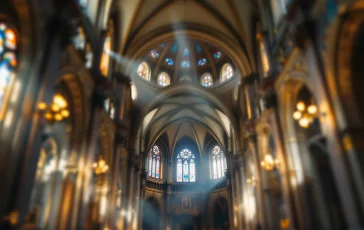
{"x": 181, "y": 114}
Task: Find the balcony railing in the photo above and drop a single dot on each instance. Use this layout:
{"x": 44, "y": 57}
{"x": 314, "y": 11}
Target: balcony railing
{"x": 200, "y": 187}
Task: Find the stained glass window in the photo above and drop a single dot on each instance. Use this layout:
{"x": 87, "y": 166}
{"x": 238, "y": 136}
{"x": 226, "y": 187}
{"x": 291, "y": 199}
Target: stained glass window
{"x": 227, "y": 72}
{"x": 169, "y": 61}
{"x": 186, "y": 166}
{"x": 179, "y": 170}
{"x": 83, "y": 3}
{"x": 202, "y": 61}
{"x": 154, "y": 54}
{"x": 79, "y": 41}
{"x": 198, "y": 49}
{"x": 206, "y": 80}
{"x": 218, "y": 163}
{"x": 278, "y": 9}
{"x": 163, "y": 79}
{"x": 154, "y": 162}
{"x": 143, "y": 71}
{"x": 174, "y": 48}
{"x": 185, "y": 64}
{"x": 217, "y": 55}
{"x": 105, "y": 58}
{"x": 186, "y": 52}
{"x": 8, "y": 63}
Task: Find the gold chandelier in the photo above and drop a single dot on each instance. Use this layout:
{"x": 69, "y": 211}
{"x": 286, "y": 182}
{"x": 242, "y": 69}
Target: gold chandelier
{"x": 304, "y": 114}
{"x": 100, "y": 166}
{"x": 57, "y": 110}
{"x": 269, "y": 163}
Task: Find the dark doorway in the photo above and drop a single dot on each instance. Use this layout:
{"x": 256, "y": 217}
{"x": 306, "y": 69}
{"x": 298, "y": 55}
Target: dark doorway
{"x": 151, "y": 215}
{"x": 221, "y": 215}
{"x": 321, "y": 161}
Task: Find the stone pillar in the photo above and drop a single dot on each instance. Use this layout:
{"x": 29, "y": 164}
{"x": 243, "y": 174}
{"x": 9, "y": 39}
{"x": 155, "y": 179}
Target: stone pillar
{"x": 237, "y": 164}
{"x": 270, "y": 102}
{"x": 249, "y": 92}
{"x": 123, "y": 96}
{"x": 67, "y": 200}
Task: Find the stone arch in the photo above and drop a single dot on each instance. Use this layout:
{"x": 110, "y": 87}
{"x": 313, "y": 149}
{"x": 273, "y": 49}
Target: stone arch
{"x": 228, "y": 46}
{"x": 193, "y": 90}
{"x": 220, "y": 213}
{"x": 344, "y": 70}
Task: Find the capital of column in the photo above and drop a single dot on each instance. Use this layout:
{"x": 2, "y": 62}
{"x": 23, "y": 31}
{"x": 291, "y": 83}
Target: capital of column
{"x": 121, "y": 78}
{"x": 250, "y": 79}
{"x": 249, "y": 128}
{"x": 270, "y": 99}
{"x": 121, "y": 132}
{"x": 135, "y": 160}
{"x": 238, "y": 160}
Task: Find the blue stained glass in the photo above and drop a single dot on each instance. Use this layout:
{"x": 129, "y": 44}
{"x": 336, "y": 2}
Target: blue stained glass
{"x": 186, "y": 52}
{"x": 8, "y": 44}
{"x": 217, "y": 55}
{"x": 174, "y": 48}
{"x": 154, "y": 54}
{"x": 202, "y": 61}
{"x": 169, "y": 61}
{"x": 2, "y": 41}
{"x": 185, "y": 64}
{"x": 198, "y": 49}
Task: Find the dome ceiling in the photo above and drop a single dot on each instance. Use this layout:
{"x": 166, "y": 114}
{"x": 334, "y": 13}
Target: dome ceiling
{"x": 186, "y": 59}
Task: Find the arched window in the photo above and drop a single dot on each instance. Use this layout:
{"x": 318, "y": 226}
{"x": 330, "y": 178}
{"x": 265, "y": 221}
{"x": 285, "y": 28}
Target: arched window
{"x": 278, "y": 9}
{"x": 226, "y": 72}
{"x": 83, "y": 3}
{"x": 218, "y": 162}
{"x": 8, "y": 63}
{"x": 143, "y": 71}
{"x": 105, "y": 58}
{"x": 163, "y": 79}
{"x": 154, "y": 162}
{"x": 206, "y": 80}
{"x": 186, "y": 166}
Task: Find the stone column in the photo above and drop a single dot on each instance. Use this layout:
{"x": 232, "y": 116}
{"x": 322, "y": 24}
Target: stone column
{"x": 67, "y": 199}
{"x": 270, "y": 102}
{"x": 249, "y": 92}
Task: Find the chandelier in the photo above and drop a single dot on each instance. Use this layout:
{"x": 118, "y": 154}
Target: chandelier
{"x": 100, "y": 166}
{"x": 304, "y": 114}
{"x": 57, "y": 110}
{"x": 269, "y": 163}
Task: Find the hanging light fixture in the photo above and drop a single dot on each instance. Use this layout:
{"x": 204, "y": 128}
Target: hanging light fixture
{"x": 56, "y": 111}
{"x": 304, "y": 114}
{"x": 100, "y": 166}
{"x": 269, "y": 162}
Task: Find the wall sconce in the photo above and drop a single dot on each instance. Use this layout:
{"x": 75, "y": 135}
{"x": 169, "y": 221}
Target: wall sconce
{"x": 56, "y": 111}
{"x": 305, "y": 114}
{"x": 269, "y": 163}
{"x": 100, "y": 167}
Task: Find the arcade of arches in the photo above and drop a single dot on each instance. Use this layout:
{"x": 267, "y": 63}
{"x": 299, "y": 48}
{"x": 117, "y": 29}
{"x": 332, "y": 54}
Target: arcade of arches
{"x": 181, "y": 114}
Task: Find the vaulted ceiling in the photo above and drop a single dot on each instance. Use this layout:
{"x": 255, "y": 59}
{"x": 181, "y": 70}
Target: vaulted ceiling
{"x": 190, "y": 116}
{"x": 229, "y": 18}
{"x": 226, "y": 25}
